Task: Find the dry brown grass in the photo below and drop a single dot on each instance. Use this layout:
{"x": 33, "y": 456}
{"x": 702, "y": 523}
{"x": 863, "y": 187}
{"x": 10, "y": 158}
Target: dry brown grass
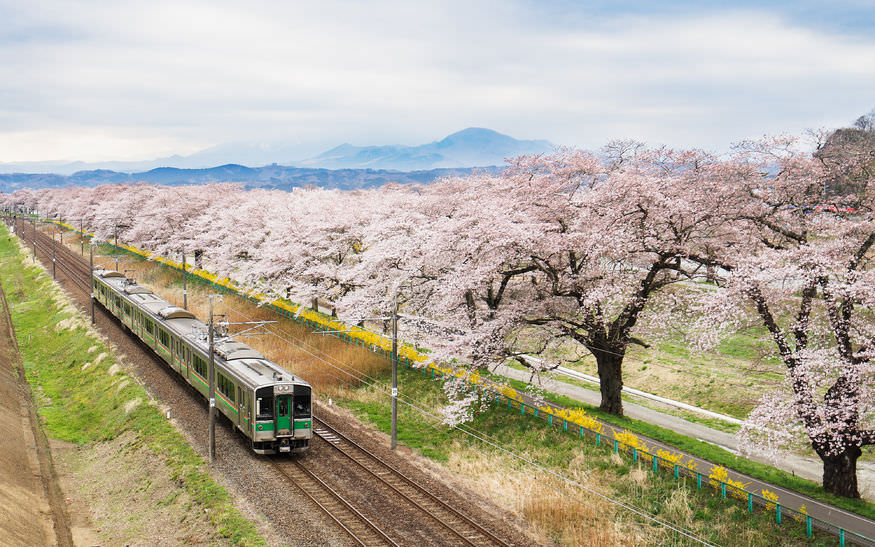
{"x": 558, "y": 511}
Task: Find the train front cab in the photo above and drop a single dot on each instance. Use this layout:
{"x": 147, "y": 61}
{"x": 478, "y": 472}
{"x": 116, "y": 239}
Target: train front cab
{"x": 283, "y": 419}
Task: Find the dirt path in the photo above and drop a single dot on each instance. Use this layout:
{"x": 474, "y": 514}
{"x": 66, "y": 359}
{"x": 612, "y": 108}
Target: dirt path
{"x": 32, "y": 507}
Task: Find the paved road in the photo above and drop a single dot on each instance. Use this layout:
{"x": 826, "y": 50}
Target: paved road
{"x": 802, "y": 467}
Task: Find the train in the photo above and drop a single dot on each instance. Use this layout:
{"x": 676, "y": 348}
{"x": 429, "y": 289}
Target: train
{"x": 269, "y": 405}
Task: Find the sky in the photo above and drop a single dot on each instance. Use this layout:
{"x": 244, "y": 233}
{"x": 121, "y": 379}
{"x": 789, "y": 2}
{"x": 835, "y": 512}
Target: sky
{"x": 124, "y": 80}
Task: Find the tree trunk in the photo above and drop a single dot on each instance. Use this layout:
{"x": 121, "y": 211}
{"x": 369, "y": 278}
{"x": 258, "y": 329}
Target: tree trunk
{"x": 840, "y": 473}
{"x": 610, "y": 366}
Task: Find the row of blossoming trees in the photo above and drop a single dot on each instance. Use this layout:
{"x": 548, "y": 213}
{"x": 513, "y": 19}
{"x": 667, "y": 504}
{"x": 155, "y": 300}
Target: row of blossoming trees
{"x": 565, "y": 254}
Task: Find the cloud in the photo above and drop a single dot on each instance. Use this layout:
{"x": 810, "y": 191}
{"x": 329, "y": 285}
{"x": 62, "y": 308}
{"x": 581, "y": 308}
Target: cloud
{"x": 105, "y": 80}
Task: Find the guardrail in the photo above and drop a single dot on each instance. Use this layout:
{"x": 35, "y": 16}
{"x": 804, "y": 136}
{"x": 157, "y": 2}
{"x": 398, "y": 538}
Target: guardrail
{"x": 626, "y": 442}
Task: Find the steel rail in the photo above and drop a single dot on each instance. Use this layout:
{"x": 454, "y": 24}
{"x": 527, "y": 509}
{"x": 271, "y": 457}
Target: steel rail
{"x": 340, "y": 505}
{"x": 475, "y": 535}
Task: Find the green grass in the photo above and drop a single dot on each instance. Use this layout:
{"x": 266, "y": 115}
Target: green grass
{"x": 88, "y": 405}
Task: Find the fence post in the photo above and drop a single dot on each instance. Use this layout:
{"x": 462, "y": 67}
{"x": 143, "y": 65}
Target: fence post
{"x": 778, "y": 513}
{"x": 698, "y": 480}
{"x": 677, "y": 473}
{"x": 522, "y": 409}
{"x": 723, "y": 490}
{"x": 807, "y": 526}
{"x": 634, "y": 454}
{"x": 750, "y": 502}
{"x": 565, "y": 424}
{"x": 616, "y": 446}
{"x": 655, "y": 464}
{"x": 841, "y": 537}
{"x": 598, "y": 437}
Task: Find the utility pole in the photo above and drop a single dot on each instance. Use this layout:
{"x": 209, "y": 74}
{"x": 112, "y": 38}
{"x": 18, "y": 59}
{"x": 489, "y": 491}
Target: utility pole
{"x": 116, "y": 246}
{"x": 82, "y": 235}
{"x": 184, "y": 282}
{"x": 91, "y": 281}
{"x": 212, "y": 388}
{"x": 394, "y": 443}
{"x": 33, "y": 227}
{"x": 53, "y": 253}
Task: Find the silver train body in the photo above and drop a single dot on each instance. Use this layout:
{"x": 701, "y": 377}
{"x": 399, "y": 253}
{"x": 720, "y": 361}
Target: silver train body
{"x": 268, "y": 404}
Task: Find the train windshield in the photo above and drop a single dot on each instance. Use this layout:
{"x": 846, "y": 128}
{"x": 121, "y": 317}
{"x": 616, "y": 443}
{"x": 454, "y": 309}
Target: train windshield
{"x": 264, "y": 408}
{"x": 302, "y": 406}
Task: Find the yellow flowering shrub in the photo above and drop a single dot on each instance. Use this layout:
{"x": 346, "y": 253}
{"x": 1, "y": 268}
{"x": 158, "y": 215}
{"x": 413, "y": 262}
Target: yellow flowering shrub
{"x": 772, "y": 499}
{"x": 630, "y": 440}
{"x": 734, "y": 488}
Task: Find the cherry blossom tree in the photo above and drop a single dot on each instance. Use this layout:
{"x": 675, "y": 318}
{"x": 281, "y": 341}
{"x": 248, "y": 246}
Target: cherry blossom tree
{"x": 559, "y": 248}
{"x": 800, "y": 258}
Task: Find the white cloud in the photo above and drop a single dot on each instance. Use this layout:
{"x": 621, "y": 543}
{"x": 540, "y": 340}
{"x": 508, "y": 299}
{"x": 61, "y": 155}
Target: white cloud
{"x": 141, "y": 78}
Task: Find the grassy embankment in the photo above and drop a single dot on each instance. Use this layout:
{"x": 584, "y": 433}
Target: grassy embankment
{"x": 84, "y": 396}
{"x": 558, "y": 510}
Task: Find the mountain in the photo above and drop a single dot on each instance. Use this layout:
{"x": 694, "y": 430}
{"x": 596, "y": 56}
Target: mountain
{"x": 270, "y": 176}
{"x": 470, "y": 147}
{"x": 467, "y": 148}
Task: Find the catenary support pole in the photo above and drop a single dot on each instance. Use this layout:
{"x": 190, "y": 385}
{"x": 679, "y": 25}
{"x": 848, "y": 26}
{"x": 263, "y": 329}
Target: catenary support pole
{"x": 33, "y": 227}
{"x": 184, "y": 282}
{"x": 91, "y": 267}
{"x": 53, "y": 252}
{"x": 212, "y": 389}
{"x": 82, "y": 236}
{"x": 394, "y": 443}
{"x": 116, "y": 246}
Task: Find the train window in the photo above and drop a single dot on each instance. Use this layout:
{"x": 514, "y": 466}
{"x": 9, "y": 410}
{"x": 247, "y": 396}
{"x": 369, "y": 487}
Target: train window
{"x": 282, "y": 407}
{"x": 200, "y": 366}
{"x": 150, "y": 326}
{"x": 302, "y": 406}
{"x": 225, "y": 386}
{"x": 164, "y": 338}
{"x": 264, "y": 408}
{"x": 127, "y": 308}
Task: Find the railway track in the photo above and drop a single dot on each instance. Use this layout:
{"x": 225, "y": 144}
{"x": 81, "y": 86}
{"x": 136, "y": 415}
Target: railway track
{"x": 454, "y": 521}
{"x": 58, "y": 255}
{"x": 359, "y": 528}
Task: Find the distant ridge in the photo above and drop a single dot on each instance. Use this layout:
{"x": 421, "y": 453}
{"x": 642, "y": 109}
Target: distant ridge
{"x": 270, "y": 176}
{"x": 472, "y": 147}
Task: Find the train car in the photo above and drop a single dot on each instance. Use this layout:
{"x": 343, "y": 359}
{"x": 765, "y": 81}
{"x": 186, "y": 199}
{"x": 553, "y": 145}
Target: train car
{"x": 268, "y": 404}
